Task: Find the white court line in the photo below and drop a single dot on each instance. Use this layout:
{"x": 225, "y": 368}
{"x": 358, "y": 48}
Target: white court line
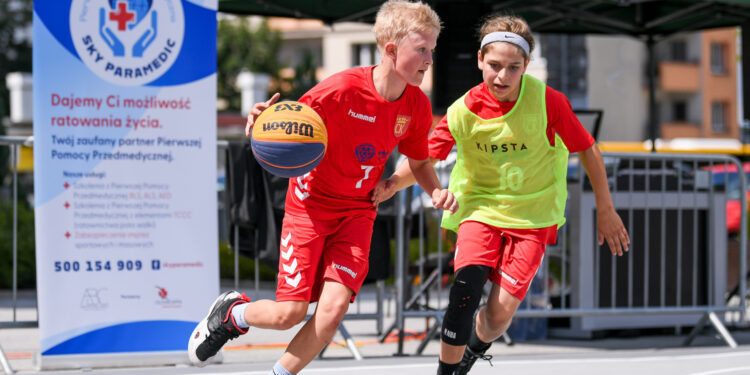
{"x": 333, "y": 369}
{"x": 723, "y": 371}
{"x": 683, "y": 357}
{"x": 523, "y": 362}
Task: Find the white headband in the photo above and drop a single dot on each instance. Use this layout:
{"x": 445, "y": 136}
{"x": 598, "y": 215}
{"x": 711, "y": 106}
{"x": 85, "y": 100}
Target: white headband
{"x": 504, "y": 36}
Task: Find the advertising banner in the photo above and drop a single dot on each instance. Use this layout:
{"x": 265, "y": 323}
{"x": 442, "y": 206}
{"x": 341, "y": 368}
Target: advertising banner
{"x": 124, "y": 178}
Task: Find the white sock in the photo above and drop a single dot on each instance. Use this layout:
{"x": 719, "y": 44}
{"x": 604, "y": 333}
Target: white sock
{"x": 278, "y": 369}
{"x": 238, "y": 312}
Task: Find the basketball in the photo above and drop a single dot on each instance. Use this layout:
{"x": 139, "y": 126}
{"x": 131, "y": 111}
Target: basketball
{"x": 289, "y": 139}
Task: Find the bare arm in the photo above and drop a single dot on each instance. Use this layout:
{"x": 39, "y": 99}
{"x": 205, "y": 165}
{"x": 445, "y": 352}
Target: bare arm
{"x": 420, "y": 171}
{"x": 609, "y": 225}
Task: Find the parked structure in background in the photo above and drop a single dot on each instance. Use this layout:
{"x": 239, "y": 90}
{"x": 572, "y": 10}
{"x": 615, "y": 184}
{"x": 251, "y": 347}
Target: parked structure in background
{"x": 698, "y": 85}
{"x": 697, "y": 90}
{"x": 20, "y": 119}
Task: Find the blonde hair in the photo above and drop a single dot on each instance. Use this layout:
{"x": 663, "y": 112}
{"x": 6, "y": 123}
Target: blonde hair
{"x": 397, "y": 18}
{"x": 509, "y": 23}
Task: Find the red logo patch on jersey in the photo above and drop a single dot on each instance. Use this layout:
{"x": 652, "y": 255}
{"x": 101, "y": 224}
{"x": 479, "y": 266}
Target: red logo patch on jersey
{"x": 402, "y": 123}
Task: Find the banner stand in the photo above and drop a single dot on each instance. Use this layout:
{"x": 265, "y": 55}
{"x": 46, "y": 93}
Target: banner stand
{"x": 145, "y": 359}
{"x": 125, "y": 179}
{"x": 4, "y": 362}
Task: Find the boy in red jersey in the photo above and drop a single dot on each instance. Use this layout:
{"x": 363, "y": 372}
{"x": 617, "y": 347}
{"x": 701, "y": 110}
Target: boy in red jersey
{"x": 513, "y": 135}
{"x": 329, "y": 212}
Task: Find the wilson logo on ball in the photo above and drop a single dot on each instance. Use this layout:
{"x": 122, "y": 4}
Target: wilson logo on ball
{"x": 290, "y": 127}
{"x": 289, "y": 139}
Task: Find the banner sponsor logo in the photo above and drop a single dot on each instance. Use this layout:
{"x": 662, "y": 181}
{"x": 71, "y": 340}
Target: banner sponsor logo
{"x": 93, "y": 299}
{"x": 164, "y": 299}
{"x": 127, "y": 42}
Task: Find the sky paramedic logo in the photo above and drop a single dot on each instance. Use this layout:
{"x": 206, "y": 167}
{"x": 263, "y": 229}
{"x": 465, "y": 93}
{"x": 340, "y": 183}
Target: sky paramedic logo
{"x": 127, "y": 42}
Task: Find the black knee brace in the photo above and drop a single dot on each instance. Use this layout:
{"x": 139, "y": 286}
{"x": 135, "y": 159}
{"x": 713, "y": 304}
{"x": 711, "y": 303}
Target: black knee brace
{"x": 463, "y": 301}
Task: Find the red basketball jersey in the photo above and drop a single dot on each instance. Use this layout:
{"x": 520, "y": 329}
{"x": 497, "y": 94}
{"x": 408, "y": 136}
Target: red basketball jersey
{"x": 363, "y": 128}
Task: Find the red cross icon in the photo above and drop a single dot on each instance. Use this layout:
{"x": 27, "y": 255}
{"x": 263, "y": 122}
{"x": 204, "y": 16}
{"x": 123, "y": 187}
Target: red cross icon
{"x": 122, "y": 17}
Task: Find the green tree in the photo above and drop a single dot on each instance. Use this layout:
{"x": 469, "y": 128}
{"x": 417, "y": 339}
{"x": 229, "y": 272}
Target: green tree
{"x": 304, "y": 77}
{"x": 240, "y": 47}
{"x": 26, "y": 277}
{"x": 15, "y": 43}
{"x": 15, "y": 56}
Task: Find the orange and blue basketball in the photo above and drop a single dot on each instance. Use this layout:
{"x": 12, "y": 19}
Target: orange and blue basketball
{"x": 289, "y": 139}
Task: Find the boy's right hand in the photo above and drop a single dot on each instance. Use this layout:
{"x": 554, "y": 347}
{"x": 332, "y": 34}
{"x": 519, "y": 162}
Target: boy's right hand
{"x": 443, "y": 199}
{"x": 383, "y": 191}
{"x": 257, "y": 109}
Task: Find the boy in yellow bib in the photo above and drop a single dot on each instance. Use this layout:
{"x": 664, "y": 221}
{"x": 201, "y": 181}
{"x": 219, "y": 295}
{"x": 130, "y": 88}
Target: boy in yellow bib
{"x": 513, "y": 135}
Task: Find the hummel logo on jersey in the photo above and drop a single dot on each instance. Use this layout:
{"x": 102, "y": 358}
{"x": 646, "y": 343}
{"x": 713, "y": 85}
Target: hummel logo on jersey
{"x": 301, "y": 189}
{"x": 346, "y": 269}
{"x": 293, "y": 281}
{"x": 360, "y": 116}
{"x": 508, "y": 277}
{"x": 288, "y": 253}
{"x": 291, "y": 268}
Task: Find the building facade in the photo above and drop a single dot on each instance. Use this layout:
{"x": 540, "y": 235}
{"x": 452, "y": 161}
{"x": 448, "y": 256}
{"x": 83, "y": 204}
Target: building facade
{"x": 698, "y": 85}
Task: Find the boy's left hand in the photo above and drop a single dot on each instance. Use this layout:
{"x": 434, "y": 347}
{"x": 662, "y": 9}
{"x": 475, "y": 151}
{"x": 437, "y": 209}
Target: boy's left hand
{"x": 610, "y": 228}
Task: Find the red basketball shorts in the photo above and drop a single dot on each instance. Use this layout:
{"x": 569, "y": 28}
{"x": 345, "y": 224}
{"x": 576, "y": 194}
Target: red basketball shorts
{"x": 312, "y": 251}
{"x": 514, "y": 260}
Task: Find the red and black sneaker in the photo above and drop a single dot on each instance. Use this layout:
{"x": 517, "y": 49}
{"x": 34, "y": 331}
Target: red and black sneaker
{"x": 216, "y": 328}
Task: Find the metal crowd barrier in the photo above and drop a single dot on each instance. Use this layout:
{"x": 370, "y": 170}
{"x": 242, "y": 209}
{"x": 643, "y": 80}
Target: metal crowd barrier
{"x": 15, "y": 144}
{"x": 674, "y": 206}
{"x": 675, "y": 273}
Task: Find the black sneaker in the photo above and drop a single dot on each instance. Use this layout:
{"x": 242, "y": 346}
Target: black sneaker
{"x": 469, "y": 358}
{"x": 215, "y": 329}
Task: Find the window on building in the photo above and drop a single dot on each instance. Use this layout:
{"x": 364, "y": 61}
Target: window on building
{"x": 678, "y": 50}
{"x": 718, "y": 58}
{"x": 567, "y": 65}
{"x": 679, "y": 111}
{"x": 719, "y": 117}
{"x": 365, "y": 54}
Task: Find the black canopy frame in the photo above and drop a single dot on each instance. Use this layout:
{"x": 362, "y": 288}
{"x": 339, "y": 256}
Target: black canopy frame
{"x": 647, "y": 20}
